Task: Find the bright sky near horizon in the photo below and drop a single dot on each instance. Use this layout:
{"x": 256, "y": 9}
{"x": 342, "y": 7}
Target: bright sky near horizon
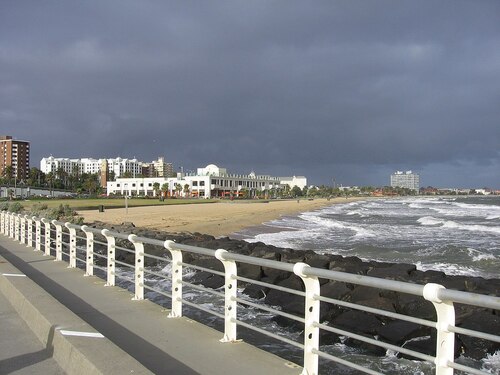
{"x": 344, "y": 90}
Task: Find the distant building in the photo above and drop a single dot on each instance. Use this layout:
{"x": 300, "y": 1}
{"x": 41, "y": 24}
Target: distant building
{"x": 15, "y": 154}
{"x": 117, "y": 166}
{"x": 158, "y": 168}
{"x": 208, "y": 182}
{"x": 408, "y": 180}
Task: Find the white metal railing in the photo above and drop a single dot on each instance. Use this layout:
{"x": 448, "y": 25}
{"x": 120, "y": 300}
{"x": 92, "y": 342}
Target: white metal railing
{"x": 28, "y": 230}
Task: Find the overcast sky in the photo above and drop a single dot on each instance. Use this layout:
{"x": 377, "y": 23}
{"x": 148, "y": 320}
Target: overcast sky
{"x": 344, "y": 90}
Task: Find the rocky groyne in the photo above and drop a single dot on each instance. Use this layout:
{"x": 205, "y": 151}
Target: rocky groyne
{"x": 397, "y": 332}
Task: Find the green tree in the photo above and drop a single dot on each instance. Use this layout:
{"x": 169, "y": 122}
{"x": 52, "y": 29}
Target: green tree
{"x": 36, "y": 177}
{"x": 178, "y": 189}
{"x": 8, "y": 173}
{"x": 156, "y": 188}
{"x": 296, "y": 191}
{"x": 164, "y": 188}
{"x": 90, "y": 183}
{"x": 49, "y": 178}
{"x": 62, "y": 177}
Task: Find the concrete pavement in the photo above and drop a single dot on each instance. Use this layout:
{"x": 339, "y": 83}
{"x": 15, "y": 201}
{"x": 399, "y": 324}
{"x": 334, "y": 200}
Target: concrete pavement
{"x": 20, "y": 350}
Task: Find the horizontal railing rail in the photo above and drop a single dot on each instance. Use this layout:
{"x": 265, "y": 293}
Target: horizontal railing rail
{"x": 76, "y": 243}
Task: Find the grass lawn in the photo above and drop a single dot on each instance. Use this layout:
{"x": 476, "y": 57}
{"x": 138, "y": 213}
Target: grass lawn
{"x": 93, "y": 204}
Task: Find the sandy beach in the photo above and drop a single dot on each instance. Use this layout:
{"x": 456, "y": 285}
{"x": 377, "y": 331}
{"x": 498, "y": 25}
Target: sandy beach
{"x": 216, "y": 219}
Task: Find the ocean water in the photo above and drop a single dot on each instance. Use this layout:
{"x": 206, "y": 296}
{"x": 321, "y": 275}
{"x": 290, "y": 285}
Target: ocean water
{"x": 456, "y": 235}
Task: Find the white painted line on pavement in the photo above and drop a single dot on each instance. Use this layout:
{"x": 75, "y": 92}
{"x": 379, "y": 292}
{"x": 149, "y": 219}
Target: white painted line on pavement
{"x": 81, "y": 334}
{"x": 13, "y": 274}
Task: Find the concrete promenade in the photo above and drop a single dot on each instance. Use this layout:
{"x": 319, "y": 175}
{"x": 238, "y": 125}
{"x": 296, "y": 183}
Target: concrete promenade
{"x": 75, "y": 325}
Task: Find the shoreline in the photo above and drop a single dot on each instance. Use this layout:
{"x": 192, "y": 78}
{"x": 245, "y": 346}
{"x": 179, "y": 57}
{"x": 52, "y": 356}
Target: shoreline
{"x": 218, "y": 219}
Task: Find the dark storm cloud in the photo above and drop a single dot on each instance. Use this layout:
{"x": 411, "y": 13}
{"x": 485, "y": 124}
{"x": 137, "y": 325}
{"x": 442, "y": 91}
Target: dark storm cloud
{"x": 345, "y": 90}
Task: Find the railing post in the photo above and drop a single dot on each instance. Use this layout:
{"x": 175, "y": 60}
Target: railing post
{"x": 445, "y": 341}
{"x": 311, "y": 317}
{"x": 89, "y": 255}
{"x": 30, "y": 231}
{"x": 6, "y": 223}
{"x": 72, "y": 245}
{"x": 22, "y": 234}
{"x": 11, "y": 225}
{"x": 230, "y": 290}
{"x": 2, "y": 222}
{"x": 176, "y": 310}
{"x": 47, "y": 236}
{"x": 110, "y": 258}
{"x": 58, "y": 239}
{"x": 139, "y": 267}
{"x": 17, "y": 226}
{"x": 38, "y": 234}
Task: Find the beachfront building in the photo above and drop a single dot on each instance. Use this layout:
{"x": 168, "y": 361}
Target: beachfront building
{"x": 14, "y": 158}
{"x": 408, "y": 180}
{"x": 208, "y": 182}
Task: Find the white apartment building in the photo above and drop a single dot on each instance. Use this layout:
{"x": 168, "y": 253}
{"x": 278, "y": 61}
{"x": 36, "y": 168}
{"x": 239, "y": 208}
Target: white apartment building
{"x": 88, "y": 165}
{"x": 208, "y": 182}
{"x": 406, "y": 179}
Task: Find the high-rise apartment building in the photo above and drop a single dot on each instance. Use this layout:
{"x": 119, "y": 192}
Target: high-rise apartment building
{"x": 14, "y": 154}
{"x": 158, "y": 168}
{"x": 406, "y": 179}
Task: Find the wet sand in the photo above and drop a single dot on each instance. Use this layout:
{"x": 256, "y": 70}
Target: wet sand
{"x": 216, "y": 219}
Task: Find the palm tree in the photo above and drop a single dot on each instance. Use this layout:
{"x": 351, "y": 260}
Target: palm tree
{"x": 186, "y": 190}
{"x": 164, "y": 189}
{"x": 156, "y": 188}
{"x": 178, "y": 189}
{"x": 49, "y": 177}
{"x": 62, "y": 176}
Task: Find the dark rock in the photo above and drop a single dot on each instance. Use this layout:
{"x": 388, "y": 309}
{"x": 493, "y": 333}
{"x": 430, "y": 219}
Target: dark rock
{"x": 280, "y": 298}
{"x": 425, "y": 345}
{"x": 317, "y": 261}
{"x": 415, "y": 306}
{"x": 288, "y": 323}
{"x": 482, "y": 321}
{"x": 367, "y": 348}
{"x": 255, "y": 291}
{"x": 380, "y": 303}
{"x": 250, "y": 271}
{"x": 208, "y": 280}
{"x": 358, "y": 322}
{"x": 328, "y": 338}
{"x": 362, "y": 293}
{"x": 334, "y": 290}
{"x": 350, "y": 265}
{"x": 421, "y": 277}
{"x": 398, "y": 332}
{"x": 210, "y": 263}
{"x": 393, "y": 272}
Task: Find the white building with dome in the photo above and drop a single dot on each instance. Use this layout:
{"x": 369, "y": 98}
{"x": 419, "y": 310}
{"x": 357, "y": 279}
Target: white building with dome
{"x": 208, "y": 182}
